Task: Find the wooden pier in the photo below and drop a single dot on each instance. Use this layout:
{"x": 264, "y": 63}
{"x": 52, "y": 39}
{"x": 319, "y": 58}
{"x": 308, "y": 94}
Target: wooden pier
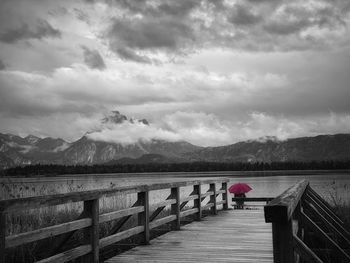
{"x": 296, "y": 227}
{"x": 231, "y": 236}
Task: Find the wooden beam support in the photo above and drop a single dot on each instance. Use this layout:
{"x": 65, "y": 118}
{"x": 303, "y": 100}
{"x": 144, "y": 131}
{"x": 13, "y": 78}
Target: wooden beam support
{"x": 175, "y": 208}
{"x": 282, "y": 233}
{"x": 224, "y": 195}
{"x": 185, "y": 202}
{"x": 2, "y": 235}
{"x": 158, "y": 210}
{"x": 91, "y": 209}
{"x": 143, "y": 218}
{"x": 197, "y": 189}
{"x": 121, "y": 222}
{"x": 212, "y": 188}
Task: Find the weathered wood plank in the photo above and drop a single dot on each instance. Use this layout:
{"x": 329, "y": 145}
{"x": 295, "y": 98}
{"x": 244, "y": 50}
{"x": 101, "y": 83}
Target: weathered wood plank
{"x": 282, "y": 207}
{"x": 68, "y": 255}
{"x": 231, "y": 236}
{"x": 207, "y": 206}
{"x": 164, "y": 203}
{"x": 106, "y": 241}
{"x": 35, "y": 235}
{"x": 208, "y": 193}
{"x": 188, "y": 212}
{"x": 162, "y": 221}
{"x": 220, "y": 191}
{"x": 120, "y": 213}
{"x": 189, "y": 198}
{"x": 221, "y": 202}
{"x": 63, "y": 239}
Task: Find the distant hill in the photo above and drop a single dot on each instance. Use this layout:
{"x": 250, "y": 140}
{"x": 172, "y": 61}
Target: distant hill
{"x": 147, "y": 158}
{"x": 305, "y": 149}
{"x": 18, "y": 151}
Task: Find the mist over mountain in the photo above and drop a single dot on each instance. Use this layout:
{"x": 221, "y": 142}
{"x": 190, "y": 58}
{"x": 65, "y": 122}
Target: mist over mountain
{"x": 143, "y": 143}
{"x": 108, "y": 142}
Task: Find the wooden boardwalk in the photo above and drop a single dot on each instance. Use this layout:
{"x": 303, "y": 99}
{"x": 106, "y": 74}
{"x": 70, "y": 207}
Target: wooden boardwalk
{"x": 231, "y": 236}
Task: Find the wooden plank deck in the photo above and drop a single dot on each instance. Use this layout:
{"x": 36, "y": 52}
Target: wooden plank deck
{"x": 231, "y": 236}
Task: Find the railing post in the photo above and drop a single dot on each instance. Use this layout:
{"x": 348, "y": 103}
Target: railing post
{"x": 197, "y": 202}
{"x": 224, "y": 196}
{"x": 282, "y": 242}
{"x": 143, "y": 218}
{"x": 2, "y": 235}
{"x": 280, "y": 212}
{"x": 175, "y": 208}
{"x": 91, "y": 209}
{"x": 212, "y": 188}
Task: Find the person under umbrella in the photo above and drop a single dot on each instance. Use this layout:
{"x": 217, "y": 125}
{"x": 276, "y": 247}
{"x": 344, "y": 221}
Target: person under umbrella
{"x": 239, "y": 190}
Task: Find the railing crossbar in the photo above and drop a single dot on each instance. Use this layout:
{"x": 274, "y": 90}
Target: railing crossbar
{"x": 90, "y": 219}
{"x": 308, "y": 221}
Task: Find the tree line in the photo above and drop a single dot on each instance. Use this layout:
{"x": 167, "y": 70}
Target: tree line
{"x": 54, "y": 169}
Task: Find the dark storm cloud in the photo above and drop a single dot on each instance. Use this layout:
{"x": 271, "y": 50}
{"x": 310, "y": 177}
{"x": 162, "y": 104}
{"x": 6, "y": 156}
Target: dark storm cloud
{"x": 93, "y": 59}
{"x": 285, "y": 27}
{"x": 42, "y": 30}
{"x": 2, "y": 65}
{"x": 294, "y": 19}
{"x": 148, "y": 33}
{"x": 182, "y": 27}
{"x": 144, "y": 34}
{"x": 242, "y": 15}
{"x": 177, "y": 8}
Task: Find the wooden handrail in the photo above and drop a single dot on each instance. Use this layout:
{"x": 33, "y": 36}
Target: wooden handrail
{"x": 90, "y": 219}
{"x": 281, "y": 208}
{"x": 294, "y": 215}
{"x": 57, "y": 199}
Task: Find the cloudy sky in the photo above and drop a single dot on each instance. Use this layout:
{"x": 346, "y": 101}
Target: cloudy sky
{"x": 209, "y": 72}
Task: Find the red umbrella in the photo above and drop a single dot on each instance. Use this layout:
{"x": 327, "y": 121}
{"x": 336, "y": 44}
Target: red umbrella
{"x": 239, "y": 188}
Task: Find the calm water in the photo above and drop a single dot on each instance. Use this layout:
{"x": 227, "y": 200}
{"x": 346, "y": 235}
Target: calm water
{"x": 268, "y": 184}
{"x": 330, "y": 186}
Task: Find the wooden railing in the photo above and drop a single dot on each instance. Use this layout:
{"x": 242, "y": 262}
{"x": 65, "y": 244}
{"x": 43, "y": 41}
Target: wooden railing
{"x": 90, "y": 218}
{"x": 305, "y": 228}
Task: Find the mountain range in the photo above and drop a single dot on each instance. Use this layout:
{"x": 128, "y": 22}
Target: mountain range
{"x": 18, "y": 151}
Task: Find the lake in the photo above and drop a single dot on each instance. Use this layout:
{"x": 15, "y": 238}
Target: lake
{"x": 330, "y": 184}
